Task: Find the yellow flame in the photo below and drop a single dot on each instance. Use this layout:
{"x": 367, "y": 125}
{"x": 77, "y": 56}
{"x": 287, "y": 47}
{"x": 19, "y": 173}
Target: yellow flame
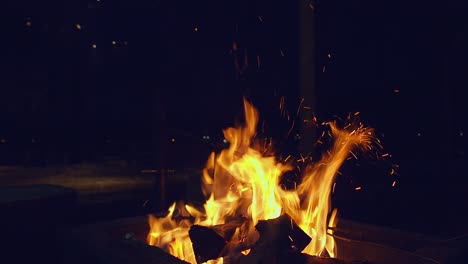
{"x": 241, "y": 180}
{"x": 171, "y": 236}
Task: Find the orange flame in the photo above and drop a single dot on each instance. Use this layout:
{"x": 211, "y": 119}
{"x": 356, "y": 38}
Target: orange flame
{"x": 243, "y": 181}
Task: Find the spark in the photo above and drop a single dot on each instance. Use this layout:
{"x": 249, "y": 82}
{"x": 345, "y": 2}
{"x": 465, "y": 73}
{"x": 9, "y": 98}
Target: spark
{"x": 195, "y": 29}
{"x": 260, "y": 19}
{"x": 329, "y": 55}
{"x": 394, "y": 184}
{"x": 281, "y": 104}
{"x": 312, "y": 7}
{"x": 282, "y": 53}
{"x": 307, "y": 107}
{"x": 358, "y": 188}
{"x": 292, "y": 126}
{"x": 323, "y": 134}
{"x": 28, "y": 23}
{"x": 113, "y": 42}
{"x": 302, "y": 159}
{"x": 287, "y": 158}
{"x": 299, "y": 107}
{"x": 396, "y": 91}
{"x": 78, "y": 26}
{"x": 94, "y": 46}
{"x": 353, "y": 155}
{"x": 258, "y": 61}
{"x": 298, "y": 168}
{"x": 357, "y": 113}
{"x": 334, "y": 184}
{"x": 291, "y": 239}
{"x": 385, "y": 155}
{"x": 323, "y": 68}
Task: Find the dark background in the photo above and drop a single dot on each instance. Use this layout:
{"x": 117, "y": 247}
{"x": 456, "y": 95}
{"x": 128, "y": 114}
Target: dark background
{"x": 178, "y": 70}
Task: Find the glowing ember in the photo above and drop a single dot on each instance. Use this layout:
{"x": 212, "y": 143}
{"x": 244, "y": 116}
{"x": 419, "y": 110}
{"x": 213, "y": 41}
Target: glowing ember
{"x": 244, "y": 181}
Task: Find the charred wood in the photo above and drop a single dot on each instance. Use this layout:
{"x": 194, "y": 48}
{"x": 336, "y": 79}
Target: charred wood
{"x": 211, "y": 242}
{"x": 282, "y": 241}
{"x": 281, "y": 233}
{"x": 278, "y": 237}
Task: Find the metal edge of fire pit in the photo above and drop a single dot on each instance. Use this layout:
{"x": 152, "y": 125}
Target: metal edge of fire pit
{"x": 395, "y": 238}
{"x": 382, "y": 245}
{"x": 121, "y": 241}
{"x": 352, "y": 250}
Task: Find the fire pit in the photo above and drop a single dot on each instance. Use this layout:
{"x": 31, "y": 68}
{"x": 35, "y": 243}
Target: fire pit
{"x": 251, "y": 217}
{"x": 245, "y": 181}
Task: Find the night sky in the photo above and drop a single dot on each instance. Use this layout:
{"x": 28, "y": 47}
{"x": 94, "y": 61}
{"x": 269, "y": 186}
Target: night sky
{"x": 77, "y": 74}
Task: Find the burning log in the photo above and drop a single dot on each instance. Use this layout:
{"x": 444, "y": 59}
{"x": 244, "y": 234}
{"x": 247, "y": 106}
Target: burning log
{"x": 282, "y": 241}
{"x": 283, "y": 233}
{"x": 210, "y": 242}
{"x": 276, "y": 235}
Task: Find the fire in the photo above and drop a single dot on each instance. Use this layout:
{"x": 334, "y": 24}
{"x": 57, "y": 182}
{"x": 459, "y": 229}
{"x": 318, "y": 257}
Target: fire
{"x": 243, "y": 181}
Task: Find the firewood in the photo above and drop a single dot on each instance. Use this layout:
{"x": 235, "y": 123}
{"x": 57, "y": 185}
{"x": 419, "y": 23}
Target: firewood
{"x": 283, "y": 233}
{"x": 211, "y": 242}
{"x": 279, "y": 238}
{"x": 282, "y": 241}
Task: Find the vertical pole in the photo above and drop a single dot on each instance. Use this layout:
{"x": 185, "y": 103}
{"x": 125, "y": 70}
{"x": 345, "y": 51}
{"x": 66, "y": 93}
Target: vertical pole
{"x": 447, "y": 96}
{"x": 307, "y": 72}
{"x": 161, "y": 150}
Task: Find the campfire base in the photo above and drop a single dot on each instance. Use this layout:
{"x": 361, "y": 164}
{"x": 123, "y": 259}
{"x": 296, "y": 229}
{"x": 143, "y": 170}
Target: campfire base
{"x": 122, "y": 242}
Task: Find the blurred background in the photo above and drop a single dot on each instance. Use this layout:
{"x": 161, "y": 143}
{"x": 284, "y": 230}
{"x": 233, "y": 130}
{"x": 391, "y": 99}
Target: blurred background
{"x": 109, "y": 96}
